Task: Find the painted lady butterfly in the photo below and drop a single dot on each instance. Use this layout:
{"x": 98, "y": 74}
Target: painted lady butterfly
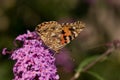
{"x": 56, "y": 35}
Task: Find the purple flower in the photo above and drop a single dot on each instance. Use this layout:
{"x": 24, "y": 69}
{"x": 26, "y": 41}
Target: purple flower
{"x": 64, "y": 60}
{"x": 33, "y": 60}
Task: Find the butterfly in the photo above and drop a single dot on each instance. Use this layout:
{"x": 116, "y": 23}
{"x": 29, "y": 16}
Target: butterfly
{"x": 56, "y": 35}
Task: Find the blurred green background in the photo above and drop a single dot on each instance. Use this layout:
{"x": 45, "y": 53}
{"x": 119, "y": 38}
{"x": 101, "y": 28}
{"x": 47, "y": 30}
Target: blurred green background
{"x": 102, "y": 18}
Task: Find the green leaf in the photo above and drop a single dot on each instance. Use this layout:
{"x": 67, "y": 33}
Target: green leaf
{"x": 98, "y": 77}
{"x": 85, "y": 62}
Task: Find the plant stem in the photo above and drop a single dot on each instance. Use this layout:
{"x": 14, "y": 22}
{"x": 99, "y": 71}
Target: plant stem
{"x": 111, "y": 47}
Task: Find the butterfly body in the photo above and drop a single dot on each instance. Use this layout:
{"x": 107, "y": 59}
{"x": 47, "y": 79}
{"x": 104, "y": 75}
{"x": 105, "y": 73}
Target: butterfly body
{"x": 56, "y": 35}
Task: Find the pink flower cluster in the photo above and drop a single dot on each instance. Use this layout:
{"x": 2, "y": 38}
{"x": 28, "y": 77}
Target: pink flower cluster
{"x": 33, "y": 60}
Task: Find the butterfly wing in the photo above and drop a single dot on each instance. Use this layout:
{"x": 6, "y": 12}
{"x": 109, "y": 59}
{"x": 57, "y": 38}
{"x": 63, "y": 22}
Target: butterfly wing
{"x": 56, "y": 36}
{"x": 70, "y": 31}
{"x": 50, "y": 34}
